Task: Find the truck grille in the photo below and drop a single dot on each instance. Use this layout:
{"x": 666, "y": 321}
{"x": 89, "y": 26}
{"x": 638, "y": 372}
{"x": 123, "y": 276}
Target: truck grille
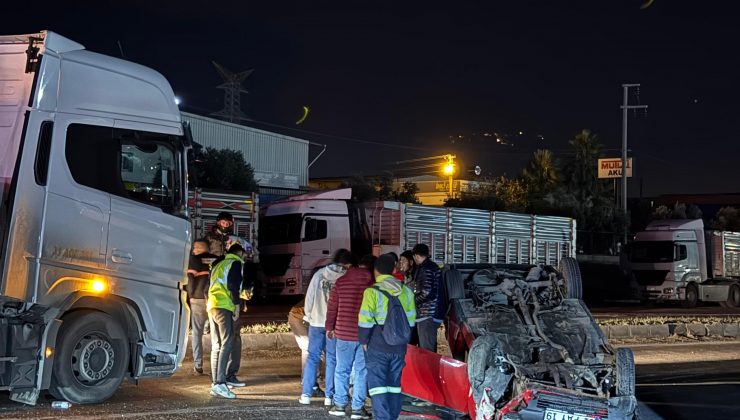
{"x": 650, "y": 277}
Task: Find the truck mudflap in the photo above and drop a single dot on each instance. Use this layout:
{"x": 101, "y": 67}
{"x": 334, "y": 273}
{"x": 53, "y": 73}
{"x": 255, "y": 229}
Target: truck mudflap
{"x": 20, "y": 358}
{"x": 439, "y": 380}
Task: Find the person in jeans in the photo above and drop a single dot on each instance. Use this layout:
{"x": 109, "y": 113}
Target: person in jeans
{"x": 198, "y": 281}
{"x": 341, "y": 323}
{"x": 427, "y": 284}
{"x": 317, "y": 299}
{"x": 384, "y": 361}
{"x": 299, "y": 328}
{"x": 223, "y": 309}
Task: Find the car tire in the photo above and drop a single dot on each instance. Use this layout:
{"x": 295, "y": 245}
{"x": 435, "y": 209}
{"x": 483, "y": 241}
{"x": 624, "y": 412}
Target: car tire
{"x": 485, "y": 354}
{"x": 571, "y": 273}
{"x": 455, "y": 285}
{"x": 91, "y": 360}
{"x": 691, "y": 300}
{"x": 625, "y": 372}
{"x": 733, "y": 297}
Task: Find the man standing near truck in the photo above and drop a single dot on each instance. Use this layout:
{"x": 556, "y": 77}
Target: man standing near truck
{"x": 428, "y": 282}
{"x": 218, "y": 236}
{"x": 197, "y": 288}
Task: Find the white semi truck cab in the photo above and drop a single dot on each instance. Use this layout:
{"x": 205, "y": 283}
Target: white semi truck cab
{"x": 678, "y": 260}
{"x": 94, "y": 230}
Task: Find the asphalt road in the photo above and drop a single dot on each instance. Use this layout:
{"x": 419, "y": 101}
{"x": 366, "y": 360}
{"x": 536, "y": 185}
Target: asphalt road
{"x": 675, "y": 381}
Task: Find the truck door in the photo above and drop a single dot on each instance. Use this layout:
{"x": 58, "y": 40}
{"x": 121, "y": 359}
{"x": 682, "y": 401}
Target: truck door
{"x": 316, "y": 244}
{"x": 145, "y": 243}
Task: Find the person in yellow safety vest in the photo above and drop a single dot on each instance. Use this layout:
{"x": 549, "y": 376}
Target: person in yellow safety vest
{"x": 377, "y": 318}
{"x": 223, "y": 311}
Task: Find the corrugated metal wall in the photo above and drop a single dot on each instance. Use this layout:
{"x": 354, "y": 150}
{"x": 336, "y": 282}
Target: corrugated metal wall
{"x": 278, "y": 160}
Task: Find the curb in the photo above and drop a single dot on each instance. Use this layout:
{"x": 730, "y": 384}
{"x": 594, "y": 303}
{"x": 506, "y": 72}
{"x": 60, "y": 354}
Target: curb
{"x": 671, "y": 329}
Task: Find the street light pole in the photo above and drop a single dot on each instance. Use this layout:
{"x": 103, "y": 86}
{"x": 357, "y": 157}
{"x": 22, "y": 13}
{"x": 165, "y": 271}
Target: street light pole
{"x": 625, "y": 107}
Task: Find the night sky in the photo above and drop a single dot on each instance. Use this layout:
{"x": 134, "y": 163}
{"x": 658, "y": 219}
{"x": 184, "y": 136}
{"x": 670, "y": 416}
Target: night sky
{"x": 409, "y": 77}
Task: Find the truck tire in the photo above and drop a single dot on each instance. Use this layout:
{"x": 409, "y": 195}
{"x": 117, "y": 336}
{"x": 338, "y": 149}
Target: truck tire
{"x": 733, "y": 298}
{"x": 571, "y": 273}
{"x": 691, "y": 299}
{"x": 455, "y": 285}
{"x": 92, "y": 358}
{"x": 625, "y": 372}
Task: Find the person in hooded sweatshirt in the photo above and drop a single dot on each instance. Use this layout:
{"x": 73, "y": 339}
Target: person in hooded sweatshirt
{"x": 384, "y": 361}
{"x": 316, "y": 303}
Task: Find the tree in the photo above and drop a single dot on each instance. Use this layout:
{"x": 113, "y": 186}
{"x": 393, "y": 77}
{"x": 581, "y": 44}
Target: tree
{"x": 226, "y": 169}
{"x": 362, "y": 190}
{"x": 541, "y": 174}
{"x": 727, "y": 218}
{"x": 679, "y": 211}
{"x": 407, "y": 193}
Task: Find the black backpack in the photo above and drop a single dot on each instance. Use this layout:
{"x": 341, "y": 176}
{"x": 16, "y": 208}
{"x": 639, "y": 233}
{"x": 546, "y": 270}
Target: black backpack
{"x": 396, "y": 330}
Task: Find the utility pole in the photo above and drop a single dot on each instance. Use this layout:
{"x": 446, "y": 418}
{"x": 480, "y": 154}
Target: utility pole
{"x": 626, "y": 107}
{"x": 449, "y": 170}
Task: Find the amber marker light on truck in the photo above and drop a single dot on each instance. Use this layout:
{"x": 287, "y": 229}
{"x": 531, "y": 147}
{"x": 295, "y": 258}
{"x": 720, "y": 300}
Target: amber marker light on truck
{"x": 49, "y": 352}
{"x": 98, "y": 286}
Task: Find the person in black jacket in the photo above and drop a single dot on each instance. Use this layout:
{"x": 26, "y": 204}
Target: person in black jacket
{"x": 219, "y": 234}
{"x": 427, "y": 288}
{"x": 197, "y": 289}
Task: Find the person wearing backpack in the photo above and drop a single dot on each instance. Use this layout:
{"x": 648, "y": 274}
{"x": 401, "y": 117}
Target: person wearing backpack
{"x": 387, "y": 314}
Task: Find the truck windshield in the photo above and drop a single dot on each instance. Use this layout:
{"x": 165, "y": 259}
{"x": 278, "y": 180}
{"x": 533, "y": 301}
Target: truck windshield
{"x": 279, "y": 230}
{"x": 652, "y": 252}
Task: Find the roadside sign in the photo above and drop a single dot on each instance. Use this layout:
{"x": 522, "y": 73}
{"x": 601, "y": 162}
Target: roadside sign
{"x": 612, "y": 168}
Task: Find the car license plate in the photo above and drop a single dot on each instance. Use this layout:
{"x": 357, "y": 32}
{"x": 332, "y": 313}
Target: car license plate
{"x": 562, "y": 415}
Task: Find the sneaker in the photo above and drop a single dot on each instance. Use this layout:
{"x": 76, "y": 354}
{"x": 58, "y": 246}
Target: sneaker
{"x": 305, "y": 399}
{"x": 233, "y": 381}
{"x": 328, "y": 402}
{"x": 360, "y": 414}
{"x": 338, "y": 410}
{"x": 222, "y": 390}
{"x": 198, "y": 370}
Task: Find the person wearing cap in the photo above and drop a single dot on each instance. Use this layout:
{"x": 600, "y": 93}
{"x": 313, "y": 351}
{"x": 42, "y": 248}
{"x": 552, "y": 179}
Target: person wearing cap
{"x": 428, "y": 289}
{"x": 219, "y": 234}
{"x": 223, "y": 310}
{"x": 384, "y": 361}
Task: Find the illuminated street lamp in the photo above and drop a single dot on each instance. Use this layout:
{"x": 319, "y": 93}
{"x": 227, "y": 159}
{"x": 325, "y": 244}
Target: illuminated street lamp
{"x": 449, "y": 170}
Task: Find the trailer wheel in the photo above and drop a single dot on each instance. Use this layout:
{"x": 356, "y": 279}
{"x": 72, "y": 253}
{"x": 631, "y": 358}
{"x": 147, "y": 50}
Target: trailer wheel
{"x": 625, "y": 372}
{"x": 455, "y": 285}
{"x": 571, "y": 273}
{"x": 692, "y": 296}
{"x": 91, "y": 360}
{"x": 733, "y": 298}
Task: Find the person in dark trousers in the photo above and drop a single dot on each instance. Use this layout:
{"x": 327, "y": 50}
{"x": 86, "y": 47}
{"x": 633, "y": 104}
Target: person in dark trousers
{"x": 198, "y": 281}
{"x": 223, "y": 309}
{"x": 341, "y": 323}
{"x": 427, "y": 284}
{"x": 218, "y": 236}
{"x": 384, "y": 362}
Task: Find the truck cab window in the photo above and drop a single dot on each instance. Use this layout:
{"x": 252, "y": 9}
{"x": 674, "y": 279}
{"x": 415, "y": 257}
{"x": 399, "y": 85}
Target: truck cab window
{"x": 138, "y": 165}
{"x": 315, "y": 229}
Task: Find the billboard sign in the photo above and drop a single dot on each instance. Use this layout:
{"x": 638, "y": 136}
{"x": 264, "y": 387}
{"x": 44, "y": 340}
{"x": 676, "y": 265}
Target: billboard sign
{"x": 612, "y": 168}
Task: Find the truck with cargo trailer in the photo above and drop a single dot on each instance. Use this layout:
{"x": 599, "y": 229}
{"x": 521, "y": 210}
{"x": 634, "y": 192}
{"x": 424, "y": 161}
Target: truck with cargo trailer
{"x": 299, "y": 234}
{"x": 94, "y": 230}
{"x": 680, "y": 260}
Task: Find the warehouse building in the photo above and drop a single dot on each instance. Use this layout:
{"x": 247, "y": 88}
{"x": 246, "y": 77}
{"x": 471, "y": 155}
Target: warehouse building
{"x": 280, "y": 162}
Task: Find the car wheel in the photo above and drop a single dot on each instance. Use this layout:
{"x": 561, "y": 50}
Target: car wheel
{"x": 455, "y": 285}
{"x": 733, "y": 299}
{"x": 625, "y": 372}
{"x": 92, "y": 358}
{"x": 571, "y": 273}
{"x": 692, "y": 296}
{"x": 486, "y": 369}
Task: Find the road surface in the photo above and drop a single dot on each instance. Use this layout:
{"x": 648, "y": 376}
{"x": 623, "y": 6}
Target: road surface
{"x": 674, "y": 381}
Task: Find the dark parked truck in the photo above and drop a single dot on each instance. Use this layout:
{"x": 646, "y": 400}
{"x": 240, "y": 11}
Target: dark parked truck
{"x": 93, "y": 221}
{"x": 525, "y": 347}
{"x": 678, "y": 260}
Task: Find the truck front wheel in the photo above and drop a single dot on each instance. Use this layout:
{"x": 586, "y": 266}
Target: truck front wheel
{"x": 692, "y": 296}
{"x": 91, "y": 359}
